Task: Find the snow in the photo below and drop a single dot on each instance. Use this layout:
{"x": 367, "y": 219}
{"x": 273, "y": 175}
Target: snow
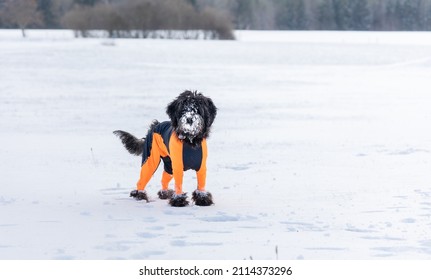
{"x": 321, "y": 146}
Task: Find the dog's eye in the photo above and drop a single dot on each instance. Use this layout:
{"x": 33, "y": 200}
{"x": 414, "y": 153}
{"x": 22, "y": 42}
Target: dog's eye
{"x": 190, "y": 109}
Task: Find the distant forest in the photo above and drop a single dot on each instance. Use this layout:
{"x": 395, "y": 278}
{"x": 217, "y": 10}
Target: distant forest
{"x": 138, "y": 18}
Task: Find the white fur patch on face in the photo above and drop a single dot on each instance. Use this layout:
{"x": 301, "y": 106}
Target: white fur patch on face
{"x": 190, "y": 125}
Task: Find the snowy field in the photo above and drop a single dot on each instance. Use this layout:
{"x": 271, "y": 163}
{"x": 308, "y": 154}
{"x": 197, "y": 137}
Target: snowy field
{"x": 321, "y": 148}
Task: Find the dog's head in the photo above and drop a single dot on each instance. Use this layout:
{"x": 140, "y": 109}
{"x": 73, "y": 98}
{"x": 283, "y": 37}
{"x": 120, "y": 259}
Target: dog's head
{"x": 192, "y": 115}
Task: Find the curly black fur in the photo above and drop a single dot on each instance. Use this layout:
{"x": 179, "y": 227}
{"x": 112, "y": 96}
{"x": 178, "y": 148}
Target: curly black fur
{"x": 203, "y": 106}
{"x": 202, "y": 198}
{"x": 139, "y": 195}
{"x": 165, "y": 194}
{"x": 179, "y": 200}
{"x": 131, "y": 143}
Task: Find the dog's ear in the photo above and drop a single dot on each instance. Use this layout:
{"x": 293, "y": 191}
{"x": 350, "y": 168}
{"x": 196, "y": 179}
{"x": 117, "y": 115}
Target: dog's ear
{"x": 172, "y": 111}
{"x": 210, "y": 111}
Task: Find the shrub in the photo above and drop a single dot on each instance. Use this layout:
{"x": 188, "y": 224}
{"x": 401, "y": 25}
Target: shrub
{"x": 149, "y": 19}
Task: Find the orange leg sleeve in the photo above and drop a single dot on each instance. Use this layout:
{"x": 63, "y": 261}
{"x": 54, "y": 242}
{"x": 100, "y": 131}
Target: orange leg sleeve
{"x": 166, "y": 178}
{"x": 149, "y": 167}
{"x": 202, "y": 173}
{"x": 176, "y": 152}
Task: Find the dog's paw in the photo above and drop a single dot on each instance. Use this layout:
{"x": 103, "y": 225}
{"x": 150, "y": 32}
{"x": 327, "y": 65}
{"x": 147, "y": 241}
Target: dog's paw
{"x": 139, "y": 195}
{"x": 179, "y": 200}
{"x": 165, "y": 194}
{"x": 202, "y": 198}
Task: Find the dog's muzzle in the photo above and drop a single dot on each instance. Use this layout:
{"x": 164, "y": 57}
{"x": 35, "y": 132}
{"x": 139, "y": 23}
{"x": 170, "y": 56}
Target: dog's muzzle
{"x": 190, "y": 125}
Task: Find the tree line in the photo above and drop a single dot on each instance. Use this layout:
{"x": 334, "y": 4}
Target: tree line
{"x": 119, "y": 18}
{"x": 148, "y": 19}
{"x": 142, "y": 18}
{"x": 376, "y": 15}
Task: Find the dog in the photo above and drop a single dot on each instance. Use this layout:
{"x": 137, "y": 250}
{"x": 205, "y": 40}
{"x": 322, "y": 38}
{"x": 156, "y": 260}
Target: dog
{"x": 180, "y": 143}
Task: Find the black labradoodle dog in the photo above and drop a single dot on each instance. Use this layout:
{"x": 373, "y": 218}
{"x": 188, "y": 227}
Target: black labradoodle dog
{"x": 180, "y": 143}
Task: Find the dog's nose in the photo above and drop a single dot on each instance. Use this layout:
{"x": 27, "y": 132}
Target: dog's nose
{"x": 189, "y": 120}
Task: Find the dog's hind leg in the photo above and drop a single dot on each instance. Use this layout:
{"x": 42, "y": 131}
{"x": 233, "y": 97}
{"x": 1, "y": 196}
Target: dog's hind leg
{"x": 166, "y": 178}
{"x": 147, "y": 171}
{"x": 151, "y": 160}
{"x": 165, "y": 192}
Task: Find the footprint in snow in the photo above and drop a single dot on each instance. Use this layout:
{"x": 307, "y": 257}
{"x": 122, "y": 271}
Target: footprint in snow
{"x": 148, "y": 235}
{"x": 223, "y": 217}
{"x": 148, "y": 254}
{"x": 156, "y": 228}
{"x": 408, "y": 221}
{"x": 183, "y": 243}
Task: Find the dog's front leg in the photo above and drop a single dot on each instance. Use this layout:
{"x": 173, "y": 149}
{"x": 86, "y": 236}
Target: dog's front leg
{"x": 200, "y": 196}
{"x": 179, "y": 199}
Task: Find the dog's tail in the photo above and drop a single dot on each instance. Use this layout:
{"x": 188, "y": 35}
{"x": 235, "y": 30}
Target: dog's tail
{"x": 134, "y": 145}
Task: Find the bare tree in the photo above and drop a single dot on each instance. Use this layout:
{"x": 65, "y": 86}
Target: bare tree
{"x": 79, "y": 19}
{"x": 21, "y": 13}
